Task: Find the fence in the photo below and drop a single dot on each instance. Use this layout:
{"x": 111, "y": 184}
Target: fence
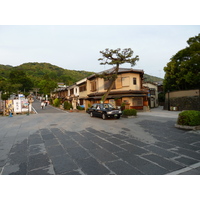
{"x": 182, "y": 100}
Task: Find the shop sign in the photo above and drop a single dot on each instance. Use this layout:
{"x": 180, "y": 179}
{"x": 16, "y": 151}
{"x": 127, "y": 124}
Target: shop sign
{"x": 17, "y": 106}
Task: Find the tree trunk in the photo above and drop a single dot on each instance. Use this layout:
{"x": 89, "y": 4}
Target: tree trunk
{"x": 105, "y": 96}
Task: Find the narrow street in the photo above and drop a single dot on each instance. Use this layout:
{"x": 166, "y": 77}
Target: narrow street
{"x": 48, "y": 108}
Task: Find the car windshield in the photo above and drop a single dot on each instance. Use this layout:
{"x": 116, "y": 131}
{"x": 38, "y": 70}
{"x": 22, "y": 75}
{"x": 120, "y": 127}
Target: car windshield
{"x": 107, "y": 105}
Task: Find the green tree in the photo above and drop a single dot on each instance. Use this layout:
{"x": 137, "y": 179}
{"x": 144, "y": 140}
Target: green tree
{"x": 19, "y": 77}
{"x": 183, "y": 71}
{"x": 47, "y": 85}
{"x": 115, "y": 57}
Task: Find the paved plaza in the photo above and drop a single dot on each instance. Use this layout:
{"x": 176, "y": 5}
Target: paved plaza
{"x": 59, "y": 142}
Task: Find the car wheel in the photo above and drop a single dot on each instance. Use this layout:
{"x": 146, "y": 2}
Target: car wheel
{"x": 104, "y": 116}
{"x": 118, "y": 116}
{"x": 91, "y": 114}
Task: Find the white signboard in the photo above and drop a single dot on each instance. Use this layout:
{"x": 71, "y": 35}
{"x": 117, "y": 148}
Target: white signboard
{"x": 17, "y": 106}
{"x": 21, "y": 96}
{"x": 24, "y": 103}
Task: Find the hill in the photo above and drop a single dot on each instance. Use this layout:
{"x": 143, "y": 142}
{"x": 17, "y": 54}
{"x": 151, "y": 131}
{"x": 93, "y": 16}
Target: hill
{"x": 37, "y": 71}
{"x": 40, "y": 71}
{"x": 149, "y": 78}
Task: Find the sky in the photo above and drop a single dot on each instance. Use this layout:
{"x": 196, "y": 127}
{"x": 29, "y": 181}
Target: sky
{"x": 77, "y": 47}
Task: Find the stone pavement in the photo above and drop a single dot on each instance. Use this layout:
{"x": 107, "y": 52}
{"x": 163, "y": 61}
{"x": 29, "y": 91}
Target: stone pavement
{"x": 74, "y": 143}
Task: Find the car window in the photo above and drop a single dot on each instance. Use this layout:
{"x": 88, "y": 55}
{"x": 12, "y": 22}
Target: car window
{"x": 110, "y": 106}
{"x": 98, "y": 107}
{"x": 93, "y": 106}
{"x": 107, "y": 106}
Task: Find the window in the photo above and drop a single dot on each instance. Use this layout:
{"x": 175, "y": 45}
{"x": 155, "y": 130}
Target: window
{"x": 125, "y": 81}
{"x": 137, "y": 101}
{"x": 107, "y": 85}
{"x": 82, "y": 88}
{"x": 152, "y": 91}
{"x": 81, "y": 101}
{"x": 118, "y": 83}
{"x": 134, "y": 81}
{"x": 71, "y": 91}
{"x": 93, "y": 86}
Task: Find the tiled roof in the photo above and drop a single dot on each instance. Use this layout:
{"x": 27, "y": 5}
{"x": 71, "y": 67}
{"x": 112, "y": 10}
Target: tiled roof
{"x": 121, "y": 70}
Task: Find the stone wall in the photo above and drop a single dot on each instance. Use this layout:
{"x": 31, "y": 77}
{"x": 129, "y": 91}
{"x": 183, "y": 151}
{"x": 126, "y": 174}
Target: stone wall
{"x": 183, "y": 103}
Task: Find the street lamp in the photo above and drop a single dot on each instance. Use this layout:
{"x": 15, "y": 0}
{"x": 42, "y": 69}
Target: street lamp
{"x": 168, "y": 100}
{"x": 30, "y": 101}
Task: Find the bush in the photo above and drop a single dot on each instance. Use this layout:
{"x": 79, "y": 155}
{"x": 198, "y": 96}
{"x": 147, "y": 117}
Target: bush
{"x": 67, "y": 105}
{"x": 80, "y": 108}
{"x": 189, "y": 118}
{"x": 56, "y": 102}
{"x": 130, "y": 112}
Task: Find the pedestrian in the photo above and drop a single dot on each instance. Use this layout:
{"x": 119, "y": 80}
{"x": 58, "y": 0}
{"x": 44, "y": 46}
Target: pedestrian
{"x": 42, "y": 105}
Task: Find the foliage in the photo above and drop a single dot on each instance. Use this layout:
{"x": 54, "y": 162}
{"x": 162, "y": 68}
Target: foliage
{"x": 118, "y": 57}
{"x": 189, "y": 118}
{"x": 38, "y": 75}
{"x": 129, "y": 112}
{"x": 183, "y": 71}
{"x": 161, "y": 97}
{"x": 115, "y": 57}
{"x": 56, "y": 102}
{"x": 67, "y": 105}
{"x": 80, "y": 108}
{"x": 47, "y": 85}
{"x": 19, "y": 77}
{"x": 50, "y": 101}
{"x": 5, "y": 96}
{"x": 54, "y": 72}
{"x": 149, "y": 78}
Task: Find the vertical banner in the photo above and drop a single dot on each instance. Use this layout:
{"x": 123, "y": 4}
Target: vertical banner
{"x": 24, "y": 103}
{"x": 17, "y": 106}
{"x": 9, "y": 106}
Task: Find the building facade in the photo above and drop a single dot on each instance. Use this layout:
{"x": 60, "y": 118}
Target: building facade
{"x": 152, "y": 94}
{"x": 128, "y": 90}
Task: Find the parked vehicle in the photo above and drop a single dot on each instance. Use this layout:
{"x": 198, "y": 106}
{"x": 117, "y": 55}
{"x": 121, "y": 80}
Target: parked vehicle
{"x": 104, "y": 110}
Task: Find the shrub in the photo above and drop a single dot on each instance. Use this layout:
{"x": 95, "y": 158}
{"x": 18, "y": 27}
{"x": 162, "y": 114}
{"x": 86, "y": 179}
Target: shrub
{"x": 130, "y": 112}
{"x": 51, "y": 101}
{"x": 189, "y": 118}
{"x": 56, "y": 102}
{"x": 67, "y": 105}
{"x": 80, "y": 108}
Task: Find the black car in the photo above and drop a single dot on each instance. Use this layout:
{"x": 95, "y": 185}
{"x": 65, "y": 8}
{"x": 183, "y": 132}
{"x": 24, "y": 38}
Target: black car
{"x": 104, "y": 110}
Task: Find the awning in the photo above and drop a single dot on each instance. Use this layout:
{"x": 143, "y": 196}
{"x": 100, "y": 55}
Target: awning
{"x": 116, "y": 96}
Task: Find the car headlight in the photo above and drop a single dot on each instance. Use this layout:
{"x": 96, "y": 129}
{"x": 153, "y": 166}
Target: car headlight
{"x": 110, "y": 112}
{"x": 120, "y": 111}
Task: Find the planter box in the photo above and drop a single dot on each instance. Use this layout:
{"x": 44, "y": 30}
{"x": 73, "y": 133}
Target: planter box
{"x": 125, "y": 116}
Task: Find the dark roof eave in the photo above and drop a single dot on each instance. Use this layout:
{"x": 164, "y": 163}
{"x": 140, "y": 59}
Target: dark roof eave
{"x": 119, "y": 92}
{"x": 121, "y": 71}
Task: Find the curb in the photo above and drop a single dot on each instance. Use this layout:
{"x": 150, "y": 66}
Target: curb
{"x": 187, "y": 127}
